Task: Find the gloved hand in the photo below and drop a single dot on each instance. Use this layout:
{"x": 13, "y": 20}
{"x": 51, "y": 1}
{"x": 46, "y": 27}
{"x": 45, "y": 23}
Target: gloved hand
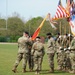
{"x": 60, "y": 47}
{"x": 69, "y": 34}
{"x": 32, "y": 52}
{"x": 65, "y": 49}
{"x": 69, "y": 48}
{"x": 59, "y": 36}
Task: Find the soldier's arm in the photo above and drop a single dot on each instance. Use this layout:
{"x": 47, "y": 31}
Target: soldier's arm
{"x": 33, "y": 49}
{"x": 43, "y": 51}
{"x": 42, "y": 48}
{"x": 49, "y": 44}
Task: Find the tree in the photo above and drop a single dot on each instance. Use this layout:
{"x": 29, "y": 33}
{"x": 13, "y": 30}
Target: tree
{"x": 32, "y": 24}
{"x": 15, "y": 26}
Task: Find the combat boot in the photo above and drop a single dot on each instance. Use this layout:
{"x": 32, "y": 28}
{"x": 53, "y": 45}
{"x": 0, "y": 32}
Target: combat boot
{"x": 14, "y": 70}
{"x": 67, "y": 70}
{"x": 64, "y": 70}
{"x": 24, "y": 70}
{"x": 73, "y": 71}
{"x": 31, "y": 70}
{"x": 36, "y": 72}
{"x": 51, "y": 70}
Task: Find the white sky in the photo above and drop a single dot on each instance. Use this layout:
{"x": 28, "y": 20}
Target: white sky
{"x": 29, "y": 8}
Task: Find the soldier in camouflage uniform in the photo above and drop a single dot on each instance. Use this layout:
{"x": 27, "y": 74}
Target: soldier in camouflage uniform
{"x": 72, "y": 55}
{"x": 30, "y": 61}
{"x": 38, "y": 53}
{"x": 66, "y": 62}
{"x": 22, "y": 52}
{"x": 51, "y": 52}
{"x": 59, "y": 51}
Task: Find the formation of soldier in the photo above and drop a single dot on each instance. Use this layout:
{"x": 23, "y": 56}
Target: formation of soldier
{"x": 33, "y": 52}
{"x": 65, "y": 50}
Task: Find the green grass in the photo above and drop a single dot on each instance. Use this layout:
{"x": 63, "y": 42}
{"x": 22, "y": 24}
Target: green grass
{"x": 8, "y": 54}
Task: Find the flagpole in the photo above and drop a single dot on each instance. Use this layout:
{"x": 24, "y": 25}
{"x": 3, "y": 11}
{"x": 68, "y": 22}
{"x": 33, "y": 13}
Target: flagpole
{"x": 65, "y": 29}
{"x": 69, "y": 34}
{"x": 6, "y": 12}
{"x": 60, "y": 28}
{"x": 60, "y": 32}
{"x": 43, "y": 21}
{"x": 65, "y": 35}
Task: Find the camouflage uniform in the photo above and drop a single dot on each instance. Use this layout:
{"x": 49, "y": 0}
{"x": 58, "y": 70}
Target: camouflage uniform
{"x": 72, "y": 55}
{"x": 59, "y": 52}
{"x": 30, "y": 61}
{"x": 22, "y": 53}
{"x": 51, "y": 53}
{"x": 66, "y": 62}
{"x": 38, "y": 53}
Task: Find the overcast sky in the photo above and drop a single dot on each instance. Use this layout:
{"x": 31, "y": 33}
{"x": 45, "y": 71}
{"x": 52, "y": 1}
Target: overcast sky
{"x": 29, "y": 8}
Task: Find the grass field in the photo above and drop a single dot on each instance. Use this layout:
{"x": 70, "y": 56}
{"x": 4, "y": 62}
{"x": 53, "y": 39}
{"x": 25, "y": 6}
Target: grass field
{"x": 8, "y": 54}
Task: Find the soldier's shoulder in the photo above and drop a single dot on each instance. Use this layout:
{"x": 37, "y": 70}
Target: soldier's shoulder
{"x": 52, "y": 39}
{"x": 34, "y": 43}
{"x": 19, "y": 38}
{"x": 41, "y": 44}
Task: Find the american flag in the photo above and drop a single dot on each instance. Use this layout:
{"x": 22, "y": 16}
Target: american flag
{"x": 72, "y": 24}
{"x": 60, "y": 12}
{"x": 68, "y": 5}
{"x": 69, "y": 1}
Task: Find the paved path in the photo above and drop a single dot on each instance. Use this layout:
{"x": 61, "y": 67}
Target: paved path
{"x": 7, "y": 43}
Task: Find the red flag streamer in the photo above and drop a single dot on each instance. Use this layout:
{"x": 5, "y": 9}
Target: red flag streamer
{"x": 36, "y": 33}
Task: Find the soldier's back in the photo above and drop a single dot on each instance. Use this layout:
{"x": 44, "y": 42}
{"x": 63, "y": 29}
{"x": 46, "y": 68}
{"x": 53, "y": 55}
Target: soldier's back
{"x": 22, "y": 44}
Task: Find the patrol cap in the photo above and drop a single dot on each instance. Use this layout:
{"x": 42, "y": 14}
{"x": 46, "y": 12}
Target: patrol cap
{"x": 26, "y": 32}
{"x": 66, "y": 34}
{"x": 38, "y": 38}
{"x": 49, "y": 34}
{"x": 58, "y": 33}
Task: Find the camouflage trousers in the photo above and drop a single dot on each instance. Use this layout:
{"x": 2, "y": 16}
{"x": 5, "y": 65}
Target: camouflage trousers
{"x": 60, "y": 59}
{"x": 31, "y": 62}
{"x": 67, "y": 62}
{"x": 51, "y": 59}
{"x": 38, "y": 63}
{"x": 63, "y": 61}
{"x": 21, "y": 56}
{"x": 72, "y": 58}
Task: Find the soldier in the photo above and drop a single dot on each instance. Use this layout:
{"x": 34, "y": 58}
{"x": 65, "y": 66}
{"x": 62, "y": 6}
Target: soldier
{"x": 38, "y": 53}
{"x": 66, "y": 62}
{"x": 72, "y": 55}
{"x": 22, "y": 52}
{"x": 51, "y": 52}
{"x": 30, "y": 61}
{"x": 59, "y": 51}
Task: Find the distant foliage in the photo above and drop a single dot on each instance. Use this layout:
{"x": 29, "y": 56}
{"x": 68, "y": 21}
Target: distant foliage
{"x": 3, "y": 39}
{"x": 16, "y": 26}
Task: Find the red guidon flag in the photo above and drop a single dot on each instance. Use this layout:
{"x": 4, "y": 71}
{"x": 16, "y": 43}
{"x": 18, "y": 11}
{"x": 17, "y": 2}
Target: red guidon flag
{"x": 36, "y": 33}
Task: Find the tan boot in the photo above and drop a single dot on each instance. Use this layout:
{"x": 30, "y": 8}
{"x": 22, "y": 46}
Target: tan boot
{"x": 52, "y": 70}
{"x": 36, "y": 72}
{"x": 14, "y": 70}
{"x": 73, "y": 72}
{"x": 31, "y": 70}
{"x": 24, "y": 70}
